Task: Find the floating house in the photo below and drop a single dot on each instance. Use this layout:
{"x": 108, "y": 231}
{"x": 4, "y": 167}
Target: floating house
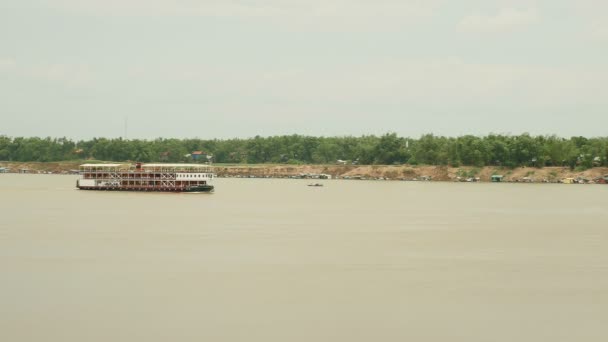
{"x": 3, "y": 170}
{"x": 496, "y": 178}
{"x": 197, "y": 155}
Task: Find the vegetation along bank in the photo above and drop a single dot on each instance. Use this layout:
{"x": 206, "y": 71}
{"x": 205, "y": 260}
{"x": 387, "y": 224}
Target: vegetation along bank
{"x": 518, "y": 158}
{"x": 389, "y": 149}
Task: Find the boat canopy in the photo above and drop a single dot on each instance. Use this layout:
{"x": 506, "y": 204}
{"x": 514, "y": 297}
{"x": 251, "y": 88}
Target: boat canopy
{"x": 147, "y": 167}
{"x": 176, "y": 167}
{"x": 104, "y": 167}
{"x": 101, "y": 165}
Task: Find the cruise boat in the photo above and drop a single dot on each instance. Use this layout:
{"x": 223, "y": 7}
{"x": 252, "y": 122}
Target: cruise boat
{"x": 146, "y": 177}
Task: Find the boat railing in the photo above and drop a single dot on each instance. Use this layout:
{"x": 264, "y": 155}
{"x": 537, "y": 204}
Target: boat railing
{"x": 148, "y": 168}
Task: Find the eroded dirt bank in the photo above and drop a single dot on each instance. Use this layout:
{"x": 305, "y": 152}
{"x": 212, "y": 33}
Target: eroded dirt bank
{"x": 393, "y": 172}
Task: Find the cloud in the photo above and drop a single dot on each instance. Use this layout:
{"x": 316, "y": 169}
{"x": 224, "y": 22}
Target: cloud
{"x": 246, "y": 8}
{"x": 71, "y": 75}
{"x": 601, "y": 32}
{"x": 7, "y": 64}
{"x": 354, "y": 15}
{"x": 293, "y": 15}
{"x": 398, "y": 82}
{"x": 455, "y": 82}
{"x": 592, "y": 13}
{"x": 596, "y": 31}
{"x": 506, "y": 20}
{"x": 142, "y": 8}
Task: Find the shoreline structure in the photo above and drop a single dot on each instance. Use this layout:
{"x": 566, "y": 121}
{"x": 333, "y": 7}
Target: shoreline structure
{"x": 363, "y": 172}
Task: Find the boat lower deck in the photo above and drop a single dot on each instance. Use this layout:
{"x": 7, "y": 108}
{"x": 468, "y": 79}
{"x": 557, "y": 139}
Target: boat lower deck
{"x": 200, "y": 188}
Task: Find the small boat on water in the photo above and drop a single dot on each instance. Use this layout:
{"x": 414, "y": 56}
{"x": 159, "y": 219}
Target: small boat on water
{"x": 315, "y": 184}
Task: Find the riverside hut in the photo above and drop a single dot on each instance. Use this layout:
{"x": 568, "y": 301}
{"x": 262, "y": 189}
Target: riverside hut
{"x": 496, "y": 178}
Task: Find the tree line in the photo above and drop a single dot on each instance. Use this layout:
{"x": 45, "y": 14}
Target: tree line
{"x": 387, "y": 149}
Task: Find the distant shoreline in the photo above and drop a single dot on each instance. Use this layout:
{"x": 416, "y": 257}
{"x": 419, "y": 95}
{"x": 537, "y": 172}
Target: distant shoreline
{"x": 364, "y": 172}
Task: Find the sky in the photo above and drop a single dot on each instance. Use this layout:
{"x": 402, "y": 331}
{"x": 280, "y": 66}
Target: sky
{"x": 241, "y": 68}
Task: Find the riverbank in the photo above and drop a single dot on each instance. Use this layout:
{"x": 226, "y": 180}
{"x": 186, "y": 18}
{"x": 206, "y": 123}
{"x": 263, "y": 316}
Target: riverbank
{"x": 376, "y": 172}
{"x": 415, "y": 173}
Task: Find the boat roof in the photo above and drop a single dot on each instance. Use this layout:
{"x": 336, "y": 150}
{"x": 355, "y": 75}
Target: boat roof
{"x": 126, "y": 166}
{"x": 101, "y": 165}
{"x": 176, "y": 165}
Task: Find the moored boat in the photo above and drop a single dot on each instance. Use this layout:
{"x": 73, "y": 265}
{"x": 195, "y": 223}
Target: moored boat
{"x": 146, "y": 177}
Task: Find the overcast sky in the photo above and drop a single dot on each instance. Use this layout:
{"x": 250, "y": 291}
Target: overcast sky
{"x": 220, "y": 69}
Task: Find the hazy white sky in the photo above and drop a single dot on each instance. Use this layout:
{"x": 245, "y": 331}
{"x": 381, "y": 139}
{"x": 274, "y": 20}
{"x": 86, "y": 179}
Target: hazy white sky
{"x": 206, "y": 68}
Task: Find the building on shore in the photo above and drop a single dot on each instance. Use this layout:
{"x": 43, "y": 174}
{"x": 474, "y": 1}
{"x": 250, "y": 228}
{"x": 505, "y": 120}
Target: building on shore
{"x": 497, "y": 178}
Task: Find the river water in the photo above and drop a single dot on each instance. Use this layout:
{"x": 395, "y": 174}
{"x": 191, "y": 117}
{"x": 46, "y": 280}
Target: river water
{"x": 275, "y": 260}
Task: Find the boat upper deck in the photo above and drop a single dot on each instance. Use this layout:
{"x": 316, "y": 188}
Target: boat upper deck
{"x": 163, "y": 168}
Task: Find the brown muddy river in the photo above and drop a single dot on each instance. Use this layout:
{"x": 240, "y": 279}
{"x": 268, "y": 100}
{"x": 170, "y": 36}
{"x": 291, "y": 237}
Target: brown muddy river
{"x": 275, "y": 260}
